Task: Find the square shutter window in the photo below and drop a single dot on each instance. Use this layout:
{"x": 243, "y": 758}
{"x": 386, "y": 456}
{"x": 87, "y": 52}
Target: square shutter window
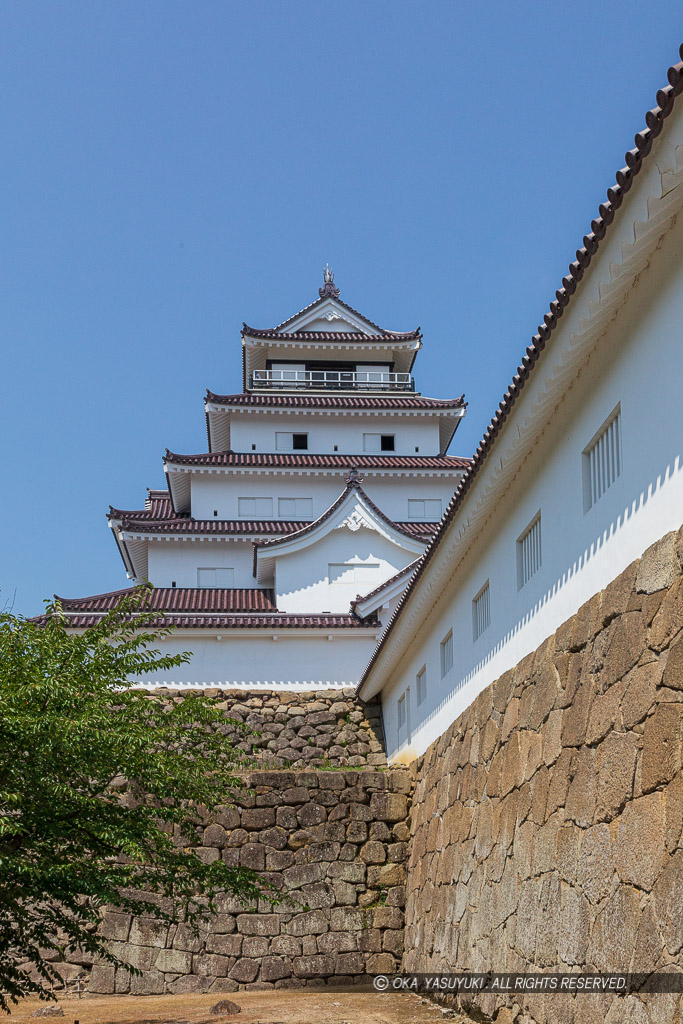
{"x": 481, "y": 611}
{"x": 372, "y": 442}
{"x": 300, "y": 442}
{"x": 387, "y": 442}
{"x": 288, "y": 442}
{"x": 428, "y": 509}
{"x": 602, "y": 460}
{"x": 295, "y": 508}
{"x": 215, "y": 578}
{"x": 529, "y": 555}
{"x": 261, "y": 508}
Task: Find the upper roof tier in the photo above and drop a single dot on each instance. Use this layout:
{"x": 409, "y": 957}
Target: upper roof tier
{"x": 326, "y": 346}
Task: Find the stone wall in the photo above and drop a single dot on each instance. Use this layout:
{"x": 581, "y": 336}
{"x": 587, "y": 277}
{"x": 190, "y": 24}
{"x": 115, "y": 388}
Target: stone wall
{"x": 323, "y": 728}
{"x": 335, "y": 842}
{"x": 547, "y": 821}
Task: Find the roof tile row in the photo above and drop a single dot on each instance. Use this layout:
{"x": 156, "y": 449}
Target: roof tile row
{"x": 323, "y": 461}
{"x": 357, "y": 401}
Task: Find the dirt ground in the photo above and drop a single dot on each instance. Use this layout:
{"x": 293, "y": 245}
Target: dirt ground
{"x": 276, "y": 1006}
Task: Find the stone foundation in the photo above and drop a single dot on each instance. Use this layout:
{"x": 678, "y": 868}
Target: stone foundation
{"x": 547, "y": 821}
{"x": 335, "y": 842}
{"x": 323, "y": 728}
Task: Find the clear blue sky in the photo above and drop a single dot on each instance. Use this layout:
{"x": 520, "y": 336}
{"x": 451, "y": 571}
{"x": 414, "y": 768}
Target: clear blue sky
{"x": 173, "y": 167}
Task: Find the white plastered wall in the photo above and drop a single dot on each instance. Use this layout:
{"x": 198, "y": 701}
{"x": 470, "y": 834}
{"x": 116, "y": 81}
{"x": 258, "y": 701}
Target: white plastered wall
{"x": 178, "y": 560}
{"x": 637, "y": 363}
{"x": 324, "y": 432}
{"x": 301, "y": 577}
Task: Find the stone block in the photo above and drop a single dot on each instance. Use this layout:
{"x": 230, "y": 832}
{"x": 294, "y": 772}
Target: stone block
{"x": 389, "y": 806}
{"x": 387, "y": 917}
{"x": 211, "y": 965}
{"x": 189, "y": 983}
{"x": 312, "y": 922}
{"x": 253, "y": 855}
{"x": 659, "y": 566}
{"x": 255, "y": 946}
{"x": 149, "y": 983}
{"x": 244, "y": 971}
{"x": 349, "y": 964}
{"x": 673, "y": 672}
{"x": 255, "y": 818}
{"x": 373, "y": 852}
{"x": 287, "y": 945}
{"x": 667, "y": 621}
{"x": 115, "y": 926}
{"x": 668, "y": 905}
{"x": 381, "y": 963}
{"x": 225, "y": 945}
{"x": 640, "y": 841}
{"x": 337, "y": 942}
{"x": 317, "y": 966}
{"x": 174, "y": 961}
{"x": 596, "y": 863}
{"x": 302, "y": 874}
{"x": 661, "y": 746}
{"x": 102, "y": 979}
{"x": 215, "y": 835}
{"x": 386, "y": 875}
{"x": 258, "y": 924}
{"x": 274, "y": 968}
{"x": 639, "y": 690}
{"x": 349, "y": 871}
{"x": 147, "y": 932}
{"x": 392, "y": 941}
{"x": 626, "y": 644}
{"x": 613, "y": 936}
{"x": 616, "y": 764}
{"x": 581, "y": 797}
{"x": 311, "y": 814}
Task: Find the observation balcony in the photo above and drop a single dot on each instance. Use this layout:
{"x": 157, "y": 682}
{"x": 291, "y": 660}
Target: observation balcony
{"x": 331, "y": 380}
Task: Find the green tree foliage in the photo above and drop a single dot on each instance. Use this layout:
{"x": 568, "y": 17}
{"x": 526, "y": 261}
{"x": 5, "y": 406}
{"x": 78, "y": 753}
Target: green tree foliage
{"x": 102, "y": 790}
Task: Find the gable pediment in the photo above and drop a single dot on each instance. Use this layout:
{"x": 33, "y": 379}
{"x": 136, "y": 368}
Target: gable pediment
{"x": 328, "y": 314}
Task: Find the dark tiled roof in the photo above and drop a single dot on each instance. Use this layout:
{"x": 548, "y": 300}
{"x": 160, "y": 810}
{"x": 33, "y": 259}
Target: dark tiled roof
{"x": 407, "y": 571}
{"x": 654, "y": 120}
{"x": 357, "y": 401}
{"x": 344, "y": 336}
{"x": 141, "y": 523}
{"x": 194, "y": 608}
{"x": 270, "y": 622}
{"x": 179, "y": 599}
{"x": 278, "y": 460}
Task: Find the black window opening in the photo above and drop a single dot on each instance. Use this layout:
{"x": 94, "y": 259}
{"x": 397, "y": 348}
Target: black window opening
{"x": 300, "y": 442}
{"x": 387, "y": 443}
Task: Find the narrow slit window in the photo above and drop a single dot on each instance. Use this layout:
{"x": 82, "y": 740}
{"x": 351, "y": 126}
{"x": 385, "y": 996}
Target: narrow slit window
{"x": 481, "y": 611}
{"x": 602, "y": 460}
{"x": 421, "y": 685}
{"x": 446, "y": 654}
{"x": 529, "y": 553}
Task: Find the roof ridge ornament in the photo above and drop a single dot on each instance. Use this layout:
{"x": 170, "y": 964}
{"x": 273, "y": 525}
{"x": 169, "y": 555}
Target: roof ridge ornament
{"x": 328, "y": 290}
{"x": 354, "y": 478}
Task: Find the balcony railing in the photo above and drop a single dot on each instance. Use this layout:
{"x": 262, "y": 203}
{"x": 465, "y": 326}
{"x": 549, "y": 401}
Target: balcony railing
{"x": 343, "y": 380}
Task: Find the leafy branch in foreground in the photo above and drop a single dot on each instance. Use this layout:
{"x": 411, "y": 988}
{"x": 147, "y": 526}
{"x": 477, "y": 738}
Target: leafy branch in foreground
{"x": 103, "y": 790}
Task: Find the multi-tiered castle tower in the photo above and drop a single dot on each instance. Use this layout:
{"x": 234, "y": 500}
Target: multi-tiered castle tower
{"x": 278, "y": 553}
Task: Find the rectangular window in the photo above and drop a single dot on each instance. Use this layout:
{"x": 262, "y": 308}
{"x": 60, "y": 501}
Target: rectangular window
{"x": 421, "y": 684}
{"x": 353, "y": 572}
{"x": 602, "y": 460}
{"x": 288, "y": 442}
{"x": 447, "y": 654}
{"x": 529, "y": 558}
{"x": 402, "y": 714}
{"x": 255, "y": 508}
{"x": 215, "y": 578}
{"x": 429, "y": 508}
{"x": 481, "y": 611}
{"x": 295, "y": 508}
{"x": 379, "y": 442}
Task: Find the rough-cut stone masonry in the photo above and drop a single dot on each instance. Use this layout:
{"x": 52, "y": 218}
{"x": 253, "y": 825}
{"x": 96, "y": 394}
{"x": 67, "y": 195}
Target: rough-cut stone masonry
{"x": 323, "y": 728}
{"x": 547, "y": 821}
{"x": 334, "y": 841}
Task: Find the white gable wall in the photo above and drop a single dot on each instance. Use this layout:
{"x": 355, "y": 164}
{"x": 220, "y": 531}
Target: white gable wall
{"x": 301, "y": 577}
{"x": 178, "y": 560}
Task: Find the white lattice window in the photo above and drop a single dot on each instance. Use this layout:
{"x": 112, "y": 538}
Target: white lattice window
{"x": 602, "y": 460}
{"x": 295, "y": 508}
{"x": 446, "y": 650}
{"x": 529, "y": 554}
{"x": 215, "y": 578}
{"x": 481, "y": 611}
{"x": 288, "y": 442}
{"x": 353, "y": 572}
{"x": 403, "y": 717}
{"x": 255, "y": 508}
{"x": 427, "y": 508}
{"x": 421, "y": 685}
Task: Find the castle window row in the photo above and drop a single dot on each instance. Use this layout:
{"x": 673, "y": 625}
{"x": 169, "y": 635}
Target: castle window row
{"x": 602, "y": 464}
{"x": 428, "y": 510}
